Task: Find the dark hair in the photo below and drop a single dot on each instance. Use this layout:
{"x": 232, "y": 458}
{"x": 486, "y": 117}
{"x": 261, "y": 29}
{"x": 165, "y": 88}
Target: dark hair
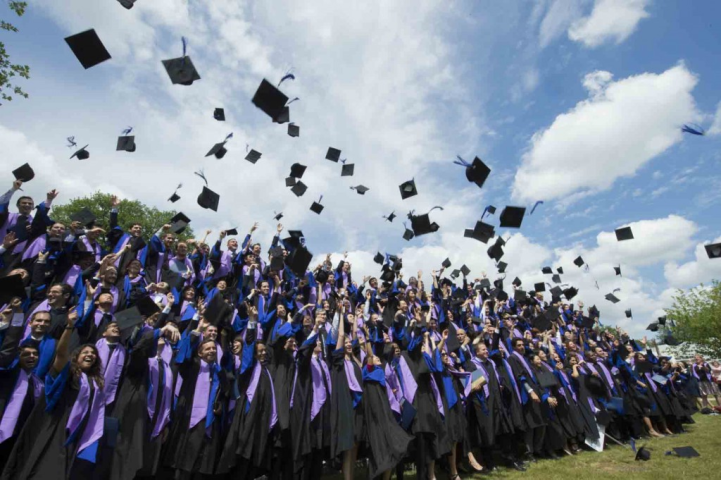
{"x": 136, "y": 223}
{"x": 17, "y": 204}
{"x": 67, "y": 289}
{"x": 515, "y": 341}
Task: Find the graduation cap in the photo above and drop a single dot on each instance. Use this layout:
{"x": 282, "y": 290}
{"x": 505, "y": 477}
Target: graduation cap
{"x": 501, "y": 267}
{"x": 671, "y": 341}
{"x": 360, "y": 189}
{"x": 181, "y": 70}
{"x": 454, "y": 274}
{"x": 547, "y": 270}
{"x": 713, "y": 250}
{"x": 594, "y": 311}
{"x": 127, "y": 3}
{"x": 24, "y": 173}
{"x": 452, "y": 341}
{"x": 297, "y": 170}
{"x": 543, "y": 322}
{"x": 253, "y": 156}
{"x": 219, "y": 114}
{"x": 408, "y": 189}
{"x": 278, "y": 216}
{"x": 208, "y": 199}
{"x": 294, "y": 240}
{"x": 219, "y": 149}
{"x": 556, "y": 278}
{"x": 446, "y": 263}
{"x": 560, "y": 270}
{"x": 578, "y": 262}
{"x": 347, "y": 170}
{"x": 11, "y": 287}
{"x": 130, "y": 317}
{"x": 216, "y": 310}
{"x": 612, "y": 298}
{"x": 277, "y": 262}
{"x": 662, "y": 320}
{"x": 481, "y": 232}
{"x": 126, "y": 142}
{"x": 88, "y": 48}
{"x": 82, "y": 154}
{"x": 147, "y": 307}
{"x": 539, "y": 287}
{"x": 628, "y": 313}
{"x": 519, "y": 295}
{"x": 643, "y": 454}
{"x": 84, "y": 216}
{"x": 644, "y": 366}
{"x": 317, "y": 207}
{"x": 232, "y": 231}
{"x": 624, "y": 233}
{"x": 570, "y": 292}
{"x": 333, "y": 154}
{"x": 495, "y": 251}
{"x": 408, "y": 234}
{"x": 686, "y": 452}
{"x": 653, "y": 327}
{"x": 516, "y": 281}
{"x": 293, "y": 130}
{"x": 283, "y": 116}
{"x": 379, "y": 258}
{"x": 179, "y": 222}
{"x": 618, "y": 269}
{"x": 390, "y": 217}
{"x": 290, "y": 181}
{"x": 421, "y": 224}
{"x": 465, "y": 270}
{"x": 299, "y": 189}
{"x": 299, "y": 259}
{"x": 512, "y": 217}
{"x": 476, "y": 172}
{"x": 270, "y": 100}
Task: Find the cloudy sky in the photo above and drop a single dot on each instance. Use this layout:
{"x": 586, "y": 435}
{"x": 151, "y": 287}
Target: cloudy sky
{"x": 578, "y": 103}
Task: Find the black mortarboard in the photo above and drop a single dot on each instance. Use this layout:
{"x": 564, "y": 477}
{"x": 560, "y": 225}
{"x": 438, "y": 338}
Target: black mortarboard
{"x": 452, "y": 342}
{"x": 465, "y": 270}
{"x": 512, "y": 217}
{"x": 126, "y": 143}
{"x": 501, "y": 267}
{"x": 299, "y": 259}
{"x": 517, "y": 282}
{"x": 253, "y": 156}
{"x": 670, "y": 340}
{"x": 219, "y": 114}
{"x": 174, "y": 280}
{"x": 477, "y": 172}
{"x": 542, "y": 322}
{"x": 127, "y": 3}
{"x": 179, "y": 222}
{"x": 713, "y": 250}
{"x": 181, "y": 70}
{"x": 147, "y": 307}
{"x": 408, "y": 234}
{"x": 360, "y": 189}
{"x": 686, "y": 452}
{"x": 596, "y": 386}
{"x": 484, "y": 230}
{"x": 454, "y": 274}
{"x": 297, "y": 170}
{"x": 618, "y": 269}
{"x": 593, "y": 311}
{"x": 88, "y": 48}
{"x": 559, "y": 270}
{"x": 290, "y": 181}
{"x": 216, "y": 310}
{"x": 662, "y": 320}
{"x": 653, "y": 327}
{"x": 294, "y": 239}
{"x": 570, "y": 292}
{"x": 174, "y": 197}
{"x": 84, "y": 216}
{"x": 547, "y": 270}
{"x": 644, "y": 366}
{"x": 446, "y": 263}
{"x": 485, "y": 283}
{"x": 421, "y": 224}
{"x": 270, "y": 100}
{"x": 11, "y": 287}
{"x": 390, "y": 217}
{"x": 612, "y": 298}
{"x": 551, "y": 313}
{"x": 379, "y": 258}
{"x": 333, "y": 154}
{"x": 495, "y": 252}
{"x": 209, "y": 199}
{"x": 128, "y": 318}
{"x": 24, "y": 173}
{"x": 232, "y": 231}
{"x": 317, "y": 207}
{"x": 218, "y": 150}
{"x": 539, "y": 287}
{"x": 556, "y": 278}
{"x": 624, "y": 233}
{"x": 556, "y": 291}
{"x": 283, "y": 116}
{"x": 587, "y": 322}
{"x": 578, "y": 262}
{"x": 278, "y": 216}
{"x": 293, "y": 130}
{"x": 629, "y": 313}
{"x": 299, "y": 189}
{"x": 520, "y": 295}
{"x": 468, "y": 233}
{"x": 643, "y": 454}
{"x": 277, "y": 262}
{"x": 82, "y": 154}
{"x": 408, "y": 189}
{"x": 498, "y": 283}
{"x": 347, "y": 170}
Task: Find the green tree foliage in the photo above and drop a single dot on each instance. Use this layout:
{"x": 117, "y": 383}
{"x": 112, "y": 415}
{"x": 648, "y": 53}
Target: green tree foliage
{"x": 697, "y": 319}
{"x": 8, "y": 70}
{"x": 129, "y": 212}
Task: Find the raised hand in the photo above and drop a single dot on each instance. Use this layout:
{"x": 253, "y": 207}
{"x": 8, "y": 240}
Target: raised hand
{"x": 72, "y": 317}
{"x": 9, "y": 241}
{"x": 52, "y": 194}
{"x": 114, "y": 201}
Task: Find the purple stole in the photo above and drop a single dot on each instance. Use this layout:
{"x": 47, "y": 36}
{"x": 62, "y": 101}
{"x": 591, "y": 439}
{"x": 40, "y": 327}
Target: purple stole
{"x": 408, "y": 382}
{"x": 98, "y": 317}
{"x": 226, "y": 261}
{"x": 36, "y": 247}
{"x": 116, "y": 296}
{"x": 606, "y": 374}
{"x": 437, "y": 394}
{"x": 189, "y": 266}
{"x": 113, "y": 365}
{"x": 509, "y": 370}
{"x": 253, "y": 386}
{"x": 71, "y": 277}
{"x": 96, "y": 414}
{"x": 651, "y": 382}
{"x": 435, "y": 336}
{"x": 92, "y": 248}
{"x": 256, "y": 274}
{"x": 353, "y": 384}
{"x": 392, "y": 383}
{"x": 154, "y": 366}
{"x": 479, "y": 364}
{"x": 319, "y": 371}
{"x": 203, "y": 384}
{"x": 517, "y": 333}
{"x": 15, "y": 403}
{"x": 9, "y": 224}
{"x": 565, "y": 377}
{"x": 526, "y": 367}
{"x": 695, "y": 374}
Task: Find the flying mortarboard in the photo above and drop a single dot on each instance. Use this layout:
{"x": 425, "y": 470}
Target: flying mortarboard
{"x": 278, "y": 216}
{"x": 297, "y": 170}
{"x": 283, "y": 116}
{"x": 253, "y": 156}
{"x": 578, "y": 262}
{"x": 84, "y": 216}
{"x": 333, "y": 154}
{"x": 465, "y": 270}
{"x": 517, "y": 282}
{"x": 408, "y": 234}
{"x": 713, "y": 250}
{"x": 82, "y": 154}
{"x": 299, "y": 189}
{"x": 208, "y": 199}
{"x": 390, "y": 217}
{"x": 408, "y": 189}
{"x": 559, "y": 270}
{"x": 216, "y": 310}
{"x": 618, "y": 269}
{"x": 446, "y": 263}
{"x": 219, "y": 114}
{"x": 126, "y": 143}
{"x": 455, "y": 273}
{"x": 629, "y": 313}
{"x": 476, "y": 172}
{"x": 662, "y": 320}
{"x": 299, "y": 259}
{"x": 512, "y": 217}
{"x": 501, "y": 267}
{"x": 88, "y": 48}
{"x": 547, "y": 270}
{"x": 612, "y": 298}
{"x": 347, "y": 170}
{"x": 232, "y": 231}
{"x": 421, "y": 224}
{"x": 379, "y": 258}
{"x": 128, "y": 318}
{"x": 317, "y": 207}
{"x": 653, "y": 327}
{"x": 219, "y": 149}
{"x": 11, "y": 287}
{"x": 147, "y": 307}
{"x": 539, "y": 287}
{"x": 293, "y": 130}
{"x": 624, "y": 233}
{"x": 556, "y": 278}
{"x": 277, "y": 262}
{"x": 360, "y": 189}
{"x": 179, "y": 222}
{"x": 24, "y": 173}
{"x": 270, "y": 100}
{"x": 181, "y": 70}
{"x": 290, "y": 181}
{"x": 570, "y": 292}
{"x": 127, "y": 3}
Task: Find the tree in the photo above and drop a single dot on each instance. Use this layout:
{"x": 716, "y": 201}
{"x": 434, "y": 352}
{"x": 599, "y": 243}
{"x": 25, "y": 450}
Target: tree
{"x": 129, "y": 212}
{"x": 696, "y": 317}
{"x": 9, "y": 70}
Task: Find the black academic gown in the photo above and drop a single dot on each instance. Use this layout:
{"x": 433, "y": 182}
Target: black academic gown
{"x": 485, "y": 413}
{"x": 346, "y": 422}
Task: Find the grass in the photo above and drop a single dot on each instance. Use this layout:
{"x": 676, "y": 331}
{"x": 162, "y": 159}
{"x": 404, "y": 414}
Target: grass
{"x": 617, "y": 462}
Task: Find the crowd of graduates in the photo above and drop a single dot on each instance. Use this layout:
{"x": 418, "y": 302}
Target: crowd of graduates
{"x": 123, "y": 358}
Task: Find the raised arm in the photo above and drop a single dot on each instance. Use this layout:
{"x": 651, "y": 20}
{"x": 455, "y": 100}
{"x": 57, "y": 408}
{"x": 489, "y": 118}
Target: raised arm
{"x": 62, "y": 350}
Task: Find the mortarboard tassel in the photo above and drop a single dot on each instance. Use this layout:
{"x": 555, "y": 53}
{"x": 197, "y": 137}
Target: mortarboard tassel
{"x": 485, "y": 210}
{"x": 201, "y": 174}
{"x": 287, "y": 76}
{"x": 228, "y": 137}
{"x": 71, "y": 141}
{"x": 293, "y": 100}
{"x": 616, "y": 290}
{"x": 247, "y": 148}
{"x": 540, "y": 202}
{"x": 461, "y": 162}
{"x": 694, "y": 130}
{"x": 390, "y": 217}
{"x": 127, "y": 131}
{"x": 597, "y": 287}
{"x": 185, "y": 49}
{"x": 586, "y": 267}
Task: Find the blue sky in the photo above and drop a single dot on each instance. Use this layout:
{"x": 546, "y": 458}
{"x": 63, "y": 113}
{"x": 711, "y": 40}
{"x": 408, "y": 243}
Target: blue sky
{"x": 578, "y": 103}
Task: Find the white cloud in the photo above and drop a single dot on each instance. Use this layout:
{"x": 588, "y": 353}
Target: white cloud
{"x": 716, "y": 126}
{"x": 700, "y": 270}
{"x": 609, "y": 21}
{"x": 558, "y": 19}
{"x": 619, "y": 128}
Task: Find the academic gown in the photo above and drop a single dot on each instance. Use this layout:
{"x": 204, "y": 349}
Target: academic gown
{"x": 569, "y": 413}
{"x": 485, "y": 412}
{"x": 304, "y": 436}
{"x": 586, "y": 403}
{"x": 512, "y": 419}
{"x": 534, "y": 414}
{"x": 346, "y": 421}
